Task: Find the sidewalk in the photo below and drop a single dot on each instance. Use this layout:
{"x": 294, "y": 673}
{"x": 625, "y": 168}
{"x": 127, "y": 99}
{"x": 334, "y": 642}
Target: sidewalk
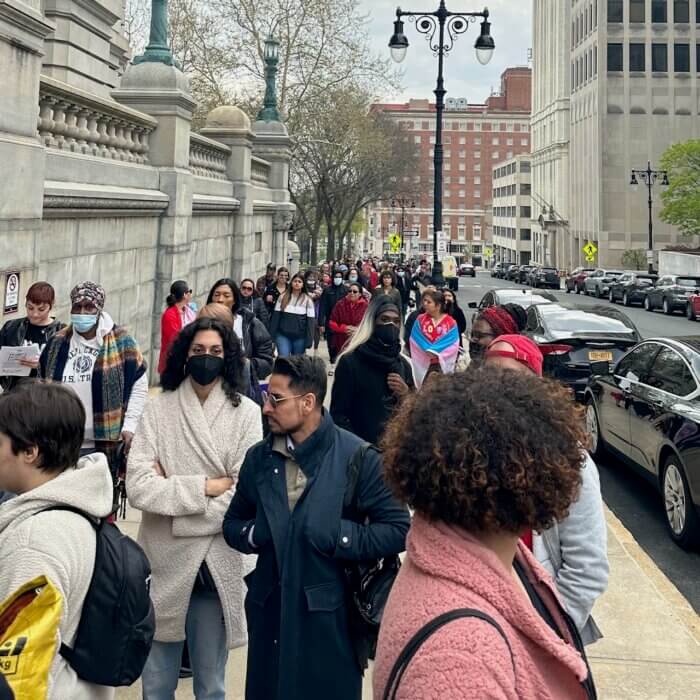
{"x": 651, "y": 644}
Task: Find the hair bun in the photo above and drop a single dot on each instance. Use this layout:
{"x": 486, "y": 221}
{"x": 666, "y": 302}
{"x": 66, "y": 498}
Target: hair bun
{"x": 170, "y": 300}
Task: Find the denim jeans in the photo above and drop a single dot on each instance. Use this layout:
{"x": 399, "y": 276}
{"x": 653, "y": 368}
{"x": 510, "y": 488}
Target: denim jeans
{"x": 289, "y": 346}
{"x": 206, "y": 640}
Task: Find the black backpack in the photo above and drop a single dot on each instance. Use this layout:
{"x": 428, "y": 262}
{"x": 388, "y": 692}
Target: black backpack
{"x": 117, "y": 622}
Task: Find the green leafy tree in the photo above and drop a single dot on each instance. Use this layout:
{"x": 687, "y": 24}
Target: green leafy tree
{"x": 682, "y": 198}
{"x": 635, "y": 259}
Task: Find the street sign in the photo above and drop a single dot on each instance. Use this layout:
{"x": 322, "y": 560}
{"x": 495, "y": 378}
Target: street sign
{"x": 442, "y": 246}
{"x": 488, "y": 252}
{"x": 650, "y": 256}
{"x": 395, "y": 242}
{"x": 590, "y": 258}
{"x": 590, "y": 250}
{"x": 11, "y": 292}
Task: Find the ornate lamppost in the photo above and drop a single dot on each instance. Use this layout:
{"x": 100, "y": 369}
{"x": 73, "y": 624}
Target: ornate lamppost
{"x": 649, "y": 176}
{"x": 158, "y": 49}
{"x": 448, "y": 26}
{"x": 269, "y": 112}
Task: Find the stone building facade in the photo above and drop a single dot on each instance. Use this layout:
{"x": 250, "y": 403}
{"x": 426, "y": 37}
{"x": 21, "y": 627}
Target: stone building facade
{"x": 104, "y": 178}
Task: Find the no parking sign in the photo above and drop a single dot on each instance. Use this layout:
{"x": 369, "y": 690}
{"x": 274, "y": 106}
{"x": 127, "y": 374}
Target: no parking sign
{"x": 11, "y": 292}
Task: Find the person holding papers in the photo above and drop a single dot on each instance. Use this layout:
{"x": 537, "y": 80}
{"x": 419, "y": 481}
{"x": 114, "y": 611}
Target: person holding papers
{"x": 35, "y": 329}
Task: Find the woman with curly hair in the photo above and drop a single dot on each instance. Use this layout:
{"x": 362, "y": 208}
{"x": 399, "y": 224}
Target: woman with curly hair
{"x": 481, "y": 456}
{"x": 509, "y": 319}
{"x": 183, "y": 469}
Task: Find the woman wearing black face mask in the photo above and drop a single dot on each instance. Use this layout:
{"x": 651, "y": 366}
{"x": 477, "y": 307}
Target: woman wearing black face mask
{"x": 183, "y": 470}
{"x": 372, "y": 375}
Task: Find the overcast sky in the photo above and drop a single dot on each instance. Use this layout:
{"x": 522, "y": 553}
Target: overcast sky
{"x": 511, "y": 28}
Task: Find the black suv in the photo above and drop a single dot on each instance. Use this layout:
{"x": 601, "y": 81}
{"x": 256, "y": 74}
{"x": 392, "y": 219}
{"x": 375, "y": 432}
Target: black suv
{"x": 545, "y": 277}
{"x": 631, "y": 287}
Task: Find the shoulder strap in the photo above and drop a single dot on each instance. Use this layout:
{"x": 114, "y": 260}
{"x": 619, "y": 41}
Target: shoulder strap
{"x": 95, "y": 522}
{"x": 409, "y": 651}
{"x": 354, "y": 467}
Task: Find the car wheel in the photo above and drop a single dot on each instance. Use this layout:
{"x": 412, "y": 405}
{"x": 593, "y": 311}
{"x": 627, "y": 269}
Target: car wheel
{"x": 690, "y": 313}
{"x": 668, "y": 310}
{"x": 611, "y": 297}
{"x": 625, "y": 299}
{"x": 596, "y": 445}
{"x": 681, "y": 516}
{"x": 647, "y": 304}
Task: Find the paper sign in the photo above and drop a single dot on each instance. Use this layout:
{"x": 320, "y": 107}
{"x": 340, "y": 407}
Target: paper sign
{"x": 10, "y": 357}
{"x": 11, "y": 292}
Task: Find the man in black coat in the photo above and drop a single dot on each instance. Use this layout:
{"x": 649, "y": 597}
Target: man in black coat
{"x": 288, "y": 509}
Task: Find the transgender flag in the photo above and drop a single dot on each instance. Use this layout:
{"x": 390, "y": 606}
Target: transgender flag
{"x": 428, "y": 342}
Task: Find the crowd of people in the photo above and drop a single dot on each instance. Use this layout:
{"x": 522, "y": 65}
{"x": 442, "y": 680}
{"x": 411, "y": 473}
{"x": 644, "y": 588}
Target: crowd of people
{"x": 260, "y": 505}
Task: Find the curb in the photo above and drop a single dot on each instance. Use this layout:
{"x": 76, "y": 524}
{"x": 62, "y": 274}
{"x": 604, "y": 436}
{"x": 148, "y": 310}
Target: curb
{"x": 666, "y": 589}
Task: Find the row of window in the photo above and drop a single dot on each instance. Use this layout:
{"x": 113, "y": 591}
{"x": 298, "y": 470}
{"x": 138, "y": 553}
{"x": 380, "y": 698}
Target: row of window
{"x": 660, "y": 11}
{"x": 495, "y": 155}
{"x": 583, "y": 68}
{"x": 461, "y": 180}
{"x": 418, "y": 139}
{"x": 511, "y": 212}
{"x": 509, "y": 169}
{"x": 637, "y": 58}
{"x": 511, "y": 190}
{"x": 506, "y": 232}
{"x": 584, "y": 23}
{"x": 466, "y": 126}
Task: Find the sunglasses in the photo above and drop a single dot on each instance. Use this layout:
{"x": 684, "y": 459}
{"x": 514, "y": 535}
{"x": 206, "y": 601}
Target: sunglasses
{"x": 353, "y": 292}
{"x": 275, "y": 401}
{"x": 246, "y": 289}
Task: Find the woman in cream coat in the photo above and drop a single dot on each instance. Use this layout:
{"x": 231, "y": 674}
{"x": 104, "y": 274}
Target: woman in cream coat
{"x": 182, "y": 472}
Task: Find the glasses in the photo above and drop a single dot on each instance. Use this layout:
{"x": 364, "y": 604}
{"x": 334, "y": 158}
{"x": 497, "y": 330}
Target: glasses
{"x": 476, "y": 335}
{"x": 275, "y": 401}
{"x": 246, "y": 289}
{"x": 353, "y": 292}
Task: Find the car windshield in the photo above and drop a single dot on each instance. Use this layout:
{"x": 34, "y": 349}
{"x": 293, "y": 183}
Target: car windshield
{"x": 524, "y": 299}
{"x": 688, "y": 282}
{"x": 560, "y": 320}
{"x": 645, "y": 281}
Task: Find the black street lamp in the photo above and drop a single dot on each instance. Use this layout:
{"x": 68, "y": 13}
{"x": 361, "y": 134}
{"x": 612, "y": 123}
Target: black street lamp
{"x": 430, "y": 23}
{"x": 403, "y": 203}
{"x": 649, "y": 176}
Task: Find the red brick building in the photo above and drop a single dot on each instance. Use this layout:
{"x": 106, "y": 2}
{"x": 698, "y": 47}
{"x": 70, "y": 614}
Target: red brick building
{"x": 476, "y": 137}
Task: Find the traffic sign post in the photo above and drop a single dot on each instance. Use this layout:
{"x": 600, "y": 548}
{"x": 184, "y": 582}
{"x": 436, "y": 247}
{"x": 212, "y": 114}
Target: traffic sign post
{"x": 11, "y": 293}
{"x": 590, "y": 250}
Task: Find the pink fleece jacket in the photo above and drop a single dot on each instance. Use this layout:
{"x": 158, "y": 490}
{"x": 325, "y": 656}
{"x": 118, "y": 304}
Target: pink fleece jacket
{"x": 446, "y": 569}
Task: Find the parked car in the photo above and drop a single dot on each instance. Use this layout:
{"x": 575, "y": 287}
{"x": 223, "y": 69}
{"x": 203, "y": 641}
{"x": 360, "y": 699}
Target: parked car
{"x": 496, "y": 269}
{"x": 574, "y": 281}
{"x": 523, "y": 272}
{"x": 467, "y": 269}
{"x": 512, "y": 272}
{"x": 598, "y": 282}
{"x": 631, "y": 287}
{"x": 671, "y": 293}
{"x": 645, "y": 409}
{"x": 570, "y": 338}
{"x": 524, "y": 297}
{"x": 545, "y": 277}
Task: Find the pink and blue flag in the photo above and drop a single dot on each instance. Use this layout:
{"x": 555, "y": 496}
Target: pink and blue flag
{"x": 429, "y": 342}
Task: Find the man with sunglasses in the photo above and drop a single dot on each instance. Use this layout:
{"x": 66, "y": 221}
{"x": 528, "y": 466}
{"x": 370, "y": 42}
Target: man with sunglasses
{"x": 288, "y": 509}
{"x": 251, "y": 301}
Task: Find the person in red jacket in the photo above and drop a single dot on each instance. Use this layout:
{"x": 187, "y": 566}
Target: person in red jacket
{"x": 174, "y": 318}
{"x": 347, "y": 315}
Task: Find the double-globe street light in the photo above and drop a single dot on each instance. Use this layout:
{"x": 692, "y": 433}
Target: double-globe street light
{"x": 649, "y": 177}
{"x": 448, "y": 26}
{"x": 402, "y": 203}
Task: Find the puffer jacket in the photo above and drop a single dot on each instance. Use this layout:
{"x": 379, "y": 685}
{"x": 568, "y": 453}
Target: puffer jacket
{"x": 575, "y": 552}
{"x": 61, "y": 546}
{"x": 258, "y": 344}
{"x": 13, "y": 333}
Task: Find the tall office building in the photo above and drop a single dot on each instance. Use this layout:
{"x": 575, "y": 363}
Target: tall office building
{"x": 631, "y": 68}
{"x": 475, "y": 138}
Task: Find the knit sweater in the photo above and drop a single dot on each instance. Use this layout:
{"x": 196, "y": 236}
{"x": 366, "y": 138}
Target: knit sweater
{"x": 181, "y": 527}
{"x": 61, "y": 546}
{"x": 468, "y": 658}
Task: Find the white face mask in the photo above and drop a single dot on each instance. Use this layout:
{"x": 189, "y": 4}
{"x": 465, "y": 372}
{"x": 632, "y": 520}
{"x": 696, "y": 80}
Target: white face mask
{"x": 337, "y": 281}
{"x": 401, "y": 273}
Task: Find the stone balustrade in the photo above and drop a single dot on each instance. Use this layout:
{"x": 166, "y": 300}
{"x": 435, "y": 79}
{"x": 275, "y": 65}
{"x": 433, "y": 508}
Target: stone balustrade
{"x": 208, "y": 158}
{"x": 76, "y": 121}
{"x": 259, "y": 171}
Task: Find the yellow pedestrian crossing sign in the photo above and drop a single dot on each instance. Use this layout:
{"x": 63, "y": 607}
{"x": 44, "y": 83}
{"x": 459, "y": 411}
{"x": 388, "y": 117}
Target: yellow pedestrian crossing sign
{"x": 395, "y": 242}
{"x": 590, "y": 249}
{"x": 488, "y": 252}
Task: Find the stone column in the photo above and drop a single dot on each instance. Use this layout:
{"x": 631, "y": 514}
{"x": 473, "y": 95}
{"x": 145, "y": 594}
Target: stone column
{"x": 22, "y": 32}
{"x": 163, "y": 91}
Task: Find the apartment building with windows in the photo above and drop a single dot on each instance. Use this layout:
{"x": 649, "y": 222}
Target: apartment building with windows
{"x": 475, "y": 137}
{"x": 633, "y": 80}
{"x": 511, "y": 211}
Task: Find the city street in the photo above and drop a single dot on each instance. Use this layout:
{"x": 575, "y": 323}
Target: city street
{"x": 633, "y": 500}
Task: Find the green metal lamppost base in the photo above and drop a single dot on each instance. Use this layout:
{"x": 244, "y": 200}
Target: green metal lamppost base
{"x": 157, "y": 55}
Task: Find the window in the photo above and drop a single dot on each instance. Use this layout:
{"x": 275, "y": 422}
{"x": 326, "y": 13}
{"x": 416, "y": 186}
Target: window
{"x": 462, "y": 167}
{"x": 637, "y": 11}
{"x": 525, "y": 167}
{"x": 670, "y": 373}
{"x": 477, "y": 168}
{"x": 462, "y": 140}
{"x": 494, "y": 141}
{"x": 615, "y": 10}
{"x": 477, "y": 194}
{"x": 477, "y": 140}
{"x": 637, "y": 58}
{"x": 523, "y": 142}
{"x": 448, "y": 180}
{"x": 524, "y": 212}
{"x": 615, "y": 57}
{"x": 525, "y": 234}
{"x": 462, "y": 194}
{"x": 659, "y": 11}
{"x": 659, "y": 57}
{"x": 258, "y": 241}
{"x": 495, "y": 155}
{"x": 681, "y": 58}
{"x": 477, "y": 154}
{"x": 525, "y": 189}
{"x": 416, "y": 139}
{"x": 462, "y": 180}
{"x": 509, "y": 142}
{"x": 681, "y": 11}
{"x": 635, "y": 365}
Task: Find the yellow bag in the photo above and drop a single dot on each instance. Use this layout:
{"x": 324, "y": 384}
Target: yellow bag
{"x": 29, "y": 620}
